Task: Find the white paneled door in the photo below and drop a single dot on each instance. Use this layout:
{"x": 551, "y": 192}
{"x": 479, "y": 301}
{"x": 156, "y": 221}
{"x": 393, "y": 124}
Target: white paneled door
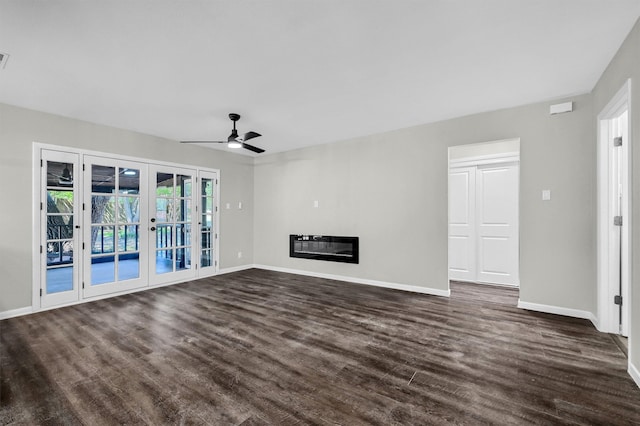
{"x": 497, "y": 224}
{"x": 483, "y": 224}
{"x": 462, "y": 239}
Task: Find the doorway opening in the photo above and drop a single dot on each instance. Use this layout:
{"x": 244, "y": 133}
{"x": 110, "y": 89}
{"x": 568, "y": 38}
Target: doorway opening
{"x": 484, "y": 213}
{"x": 614, "y": 219}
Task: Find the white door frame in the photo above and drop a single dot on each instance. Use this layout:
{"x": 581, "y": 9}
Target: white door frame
{"x": 608, "y": 261}
{"x": 37, "y": 275}
{"x": 485, "y": 160}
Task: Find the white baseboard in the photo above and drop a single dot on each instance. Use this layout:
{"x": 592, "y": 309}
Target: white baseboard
{"x": 234, "y": 269}
{"x": 634, "y": 373}
{"x": 16, "y": 312}
{"x": 558, "y": 310}
{"x": 395, "y": 286}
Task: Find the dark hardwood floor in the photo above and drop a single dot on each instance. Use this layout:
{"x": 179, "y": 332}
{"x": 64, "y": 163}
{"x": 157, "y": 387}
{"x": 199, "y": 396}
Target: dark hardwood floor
{"x": 260, "y": 347}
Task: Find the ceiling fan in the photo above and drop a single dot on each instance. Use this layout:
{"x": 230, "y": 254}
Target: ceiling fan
{"x": 235, "y": 141}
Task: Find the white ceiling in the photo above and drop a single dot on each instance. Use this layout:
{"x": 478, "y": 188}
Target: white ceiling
{"x": 301, "y": 72}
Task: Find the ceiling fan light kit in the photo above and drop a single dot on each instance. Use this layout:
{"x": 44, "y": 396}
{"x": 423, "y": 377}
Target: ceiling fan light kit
{"x": 234, "y": 141}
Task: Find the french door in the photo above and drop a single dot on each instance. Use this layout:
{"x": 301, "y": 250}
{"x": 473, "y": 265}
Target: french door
{"x": 60, "y": 228}
{"x": 171, "y": 224}
{"x": 111, "y": 225}
{"x": 115, "y": 252}
{"x": 208, "y": 247}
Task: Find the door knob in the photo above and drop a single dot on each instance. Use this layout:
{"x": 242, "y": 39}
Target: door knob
{"x": 153, "y": 228}
{"x": 153, "y": 219}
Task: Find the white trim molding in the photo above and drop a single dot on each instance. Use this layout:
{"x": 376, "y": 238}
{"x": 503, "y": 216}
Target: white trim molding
{"x": 481, "y": 160}
{"x": 16, "y": 312}
{"x": 608, "y": 242}
{"x": 234, "y": 269}
{"x": 558, "y": 310}
{"x": 634, "y": 372}
{"x": 395, "y": 286}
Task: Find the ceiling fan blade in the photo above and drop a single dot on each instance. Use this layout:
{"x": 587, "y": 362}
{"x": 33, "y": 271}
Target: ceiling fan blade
{"x": 248, "y": 135}
{"x": 203, "y": 141}
{"x": 252, "y": 148}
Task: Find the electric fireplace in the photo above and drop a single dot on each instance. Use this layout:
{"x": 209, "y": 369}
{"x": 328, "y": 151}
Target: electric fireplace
{"x": 324, "y": 247}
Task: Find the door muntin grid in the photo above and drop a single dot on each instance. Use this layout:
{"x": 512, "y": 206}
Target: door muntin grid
{"x": 207, "y": 222}
{"x": 115, "y": 224}
{"x": 172, "y": 222}
{"x": 59, "y": 209}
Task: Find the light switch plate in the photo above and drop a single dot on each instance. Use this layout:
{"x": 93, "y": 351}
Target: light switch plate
{"x": 316, "y": 203}
{"x": 546, "y": 194}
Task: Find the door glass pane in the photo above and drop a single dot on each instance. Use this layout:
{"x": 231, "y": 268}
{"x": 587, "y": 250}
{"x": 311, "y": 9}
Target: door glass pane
{"x": 103, "y": 239}
{"x": 186, "y": 209}
{"x": 164, "y": 236}
{"x": 164, "y": 261}
{"x": 179, "y": 216}
{"x": 103, "y": 270}
{"x": 59, "y": 174}
{"x": 128, "y": 238}
{"x": 183, "y": 258}
{"x": 164, "y": 184}
{"x": 183, "y": 186}
{"x": 128, "y": 209}
{"x": 59, "y": 252}
{"x": 128, "y": 266}
{"x": 129, "y": 181}
{"x": 60, "y": 201}
{"x": 59, "y": 279}
{"x": 164, "y": 210}
{"x": 183, "y": 234}
{"x": 103, "y": 179}
{"x": 205, "y": 258}
{"x": 103, "y": 209}
{"x": 59, "y": 227}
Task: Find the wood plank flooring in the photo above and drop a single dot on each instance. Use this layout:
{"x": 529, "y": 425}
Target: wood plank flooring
{"x": 260, "y": 347}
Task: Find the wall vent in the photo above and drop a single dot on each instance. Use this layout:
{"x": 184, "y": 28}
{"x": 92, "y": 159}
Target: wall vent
{"x": 3, "y": 59}
{"x": 561, "y": 108}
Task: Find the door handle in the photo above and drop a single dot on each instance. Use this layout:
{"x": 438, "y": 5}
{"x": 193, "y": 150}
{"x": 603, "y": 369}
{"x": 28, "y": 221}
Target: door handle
{"x": 153, "y": 219}
{"x": 153, "y": 228}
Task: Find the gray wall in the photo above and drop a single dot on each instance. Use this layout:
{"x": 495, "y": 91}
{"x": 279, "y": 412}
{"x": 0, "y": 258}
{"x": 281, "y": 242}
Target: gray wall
{"x": 20, "y": 127}
{"x": 626, "y": 64}
{"x": 391, "y": 191}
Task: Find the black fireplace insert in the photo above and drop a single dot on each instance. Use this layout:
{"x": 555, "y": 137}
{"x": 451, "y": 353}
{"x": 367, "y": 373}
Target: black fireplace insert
{"x": 324, "y": 247}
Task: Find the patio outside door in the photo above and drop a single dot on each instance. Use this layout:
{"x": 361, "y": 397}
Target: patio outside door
{"x": 207, "y": 223}
{"x": 171, "y": 224}
{"x": 115, "y": 252}
{"x": 59, "y": 227}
